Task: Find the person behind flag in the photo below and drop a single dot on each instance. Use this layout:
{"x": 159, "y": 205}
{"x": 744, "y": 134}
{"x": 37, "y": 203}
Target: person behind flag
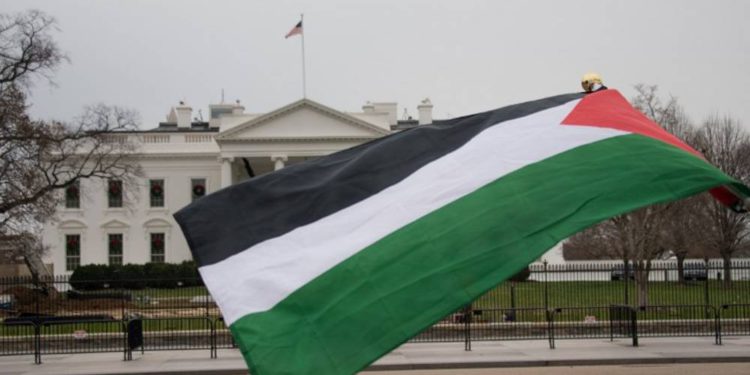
{"x": 592, "y": 82}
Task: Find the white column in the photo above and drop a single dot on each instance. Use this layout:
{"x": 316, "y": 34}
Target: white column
{"x": 278, "y": 161}
{"x": 226, "y": 171}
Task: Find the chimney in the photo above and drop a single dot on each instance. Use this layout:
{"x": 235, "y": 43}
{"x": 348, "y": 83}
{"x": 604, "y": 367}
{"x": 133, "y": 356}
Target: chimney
{"x": 238, "y": 109}
{"x": 425, "y": 112}
{"x": 184, "y": 115}
{"x": 368, "y": 108}
{"x": 390, "y": 109}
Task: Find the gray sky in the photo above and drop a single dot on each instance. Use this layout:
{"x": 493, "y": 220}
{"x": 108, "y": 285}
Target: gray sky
{"x": 466, "y": 56}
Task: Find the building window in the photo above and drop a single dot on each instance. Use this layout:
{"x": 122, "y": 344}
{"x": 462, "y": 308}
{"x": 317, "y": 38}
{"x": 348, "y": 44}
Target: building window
{"x": 73, "y": 196}
{"x": 157, "y": 248}
{"x": 198, "y": 187}
{"x": 115, "y": 249}
{"x": 72, "y": 251}
{"x": 156, "y": 193}
{"x": 114, "y": 193}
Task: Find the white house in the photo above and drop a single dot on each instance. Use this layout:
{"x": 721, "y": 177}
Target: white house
{"x": 105, "y": 222}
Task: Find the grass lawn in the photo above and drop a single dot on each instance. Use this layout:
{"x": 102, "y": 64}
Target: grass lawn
{"x": 605, "y": 293}
{"x": 171, "y": 292}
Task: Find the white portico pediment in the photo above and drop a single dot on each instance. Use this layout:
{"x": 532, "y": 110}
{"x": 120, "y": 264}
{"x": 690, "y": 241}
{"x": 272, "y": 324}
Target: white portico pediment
{"x": 71, "y": 224}
{"x": 156, "y": 223}
{"x": 303, "y": 119}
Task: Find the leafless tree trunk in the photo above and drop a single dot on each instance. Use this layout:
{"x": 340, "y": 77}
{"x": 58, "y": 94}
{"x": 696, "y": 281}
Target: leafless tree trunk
{"x": 642, "y": 271}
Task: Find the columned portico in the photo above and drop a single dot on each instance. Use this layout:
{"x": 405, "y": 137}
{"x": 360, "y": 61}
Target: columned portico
{"x": 289, "y": 135}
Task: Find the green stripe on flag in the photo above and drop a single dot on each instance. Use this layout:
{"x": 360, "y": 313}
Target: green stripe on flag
{"x": 369, "y": 304}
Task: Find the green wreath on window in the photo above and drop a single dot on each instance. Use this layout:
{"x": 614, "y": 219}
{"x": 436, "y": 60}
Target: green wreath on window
{"x": 157, "y": 243}
{"x": 156, "y": 190}
{"x": 114, "y": 190}
{"x": 199, "y": 190}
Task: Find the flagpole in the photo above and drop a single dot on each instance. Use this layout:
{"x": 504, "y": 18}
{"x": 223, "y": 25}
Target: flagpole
{"x": 304, "y": 78}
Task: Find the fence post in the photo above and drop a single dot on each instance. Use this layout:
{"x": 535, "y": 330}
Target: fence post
{"x": 124, "y": 328}
{"x": 551, "y": 326}
{"x": 206, "y": 304}
{"x": 634, "y": 325}
{"x": 123, "y": 325}
{"x": 546, "y": 292}
{"x": 706, "y": 297}
{"x": 212, "y": 338}
{"x": 612, "y": 316}
{"x": 626, "y": 278}
{"x": 717, "y": 324}
{"x": 37, "y": 344}
{"x": 37, "y": 322}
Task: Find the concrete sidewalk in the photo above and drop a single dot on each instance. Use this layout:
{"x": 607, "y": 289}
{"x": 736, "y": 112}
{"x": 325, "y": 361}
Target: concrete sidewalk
{"x": 410, "y": 357}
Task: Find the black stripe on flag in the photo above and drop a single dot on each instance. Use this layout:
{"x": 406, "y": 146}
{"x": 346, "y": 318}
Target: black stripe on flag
{"x": 240, "y": 216}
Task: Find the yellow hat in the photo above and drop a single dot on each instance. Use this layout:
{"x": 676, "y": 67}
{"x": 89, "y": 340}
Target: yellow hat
{"x": 589, "y": 79}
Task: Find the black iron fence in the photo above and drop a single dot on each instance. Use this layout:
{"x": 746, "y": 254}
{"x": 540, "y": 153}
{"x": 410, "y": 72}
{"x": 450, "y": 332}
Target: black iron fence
{"x": 571, "y": 301}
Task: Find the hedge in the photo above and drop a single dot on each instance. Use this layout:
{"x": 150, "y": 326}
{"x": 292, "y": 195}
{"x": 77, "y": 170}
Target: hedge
{"x": 135, "y": 276}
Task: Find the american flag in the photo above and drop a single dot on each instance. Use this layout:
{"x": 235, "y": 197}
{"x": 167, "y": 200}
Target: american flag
{"x": 296, "y": 30}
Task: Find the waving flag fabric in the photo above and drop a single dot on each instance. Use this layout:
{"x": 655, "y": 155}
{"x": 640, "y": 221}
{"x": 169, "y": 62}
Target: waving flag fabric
{"x": 296, "y": 30}
{"x": 324, "y": 266}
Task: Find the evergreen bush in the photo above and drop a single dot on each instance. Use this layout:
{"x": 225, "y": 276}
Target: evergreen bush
{"x": 135, "y": 276}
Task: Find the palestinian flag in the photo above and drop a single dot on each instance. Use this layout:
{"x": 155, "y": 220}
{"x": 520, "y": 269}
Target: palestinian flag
{"x": 324, "y": 266}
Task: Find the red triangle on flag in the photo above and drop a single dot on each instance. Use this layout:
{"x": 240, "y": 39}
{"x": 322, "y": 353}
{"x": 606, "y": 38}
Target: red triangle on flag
{"x": 609, "y": 109}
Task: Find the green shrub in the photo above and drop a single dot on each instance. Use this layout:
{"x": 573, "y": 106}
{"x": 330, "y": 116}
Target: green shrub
{"x": 135, "y": 276}
{"x": 188, "y": 273}
{"x": 522, "y": 275}
{"x": 90, "y": 277}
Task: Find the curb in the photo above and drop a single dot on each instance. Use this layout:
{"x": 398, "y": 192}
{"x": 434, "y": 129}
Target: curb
{"x": 488, "y": 364}
{"x": 557, "y": 363}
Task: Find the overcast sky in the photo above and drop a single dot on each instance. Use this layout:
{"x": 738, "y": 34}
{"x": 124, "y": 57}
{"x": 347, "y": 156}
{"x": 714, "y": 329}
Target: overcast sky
{"x": 466, "y": 56}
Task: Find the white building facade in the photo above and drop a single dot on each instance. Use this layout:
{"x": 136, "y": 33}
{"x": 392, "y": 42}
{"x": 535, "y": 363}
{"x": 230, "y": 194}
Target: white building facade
{"x": 107, "y": 222}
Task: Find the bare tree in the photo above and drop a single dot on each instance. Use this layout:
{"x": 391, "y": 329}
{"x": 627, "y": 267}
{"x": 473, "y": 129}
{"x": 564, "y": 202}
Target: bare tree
{"x": 40, "y": 158}
{"x": 27, "y": 48}
{"x": 669, "y": 115}
{"x": 727, "y": 146}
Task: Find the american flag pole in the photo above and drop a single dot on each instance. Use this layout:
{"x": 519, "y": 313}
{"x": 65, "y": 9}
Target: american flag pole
{"x": 304, "y": 78}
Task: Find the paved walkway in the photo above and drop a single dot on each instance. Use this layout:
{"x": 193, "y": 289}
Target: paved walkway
{"x": 410, "y": 357}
